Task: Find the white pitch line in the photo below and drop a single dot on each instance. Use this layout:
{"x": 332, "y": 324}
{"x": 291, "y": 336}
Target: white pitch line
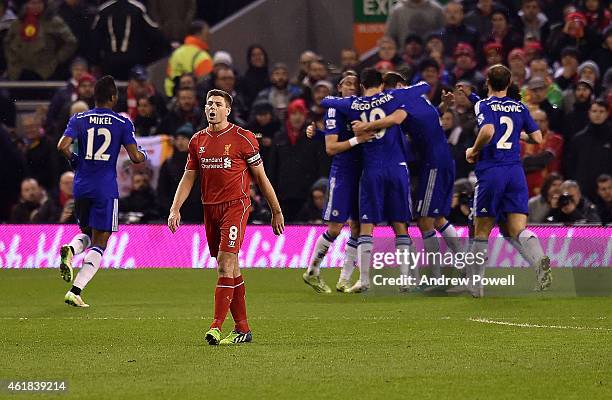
{"x": 526, "y": 325}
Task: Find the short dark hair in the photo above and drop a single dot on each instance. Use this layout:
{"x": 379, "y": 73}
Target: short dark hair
{"x": 105, "y": 89}
{"x": 392, "y": 78}
{"x": 499, "y": 77}
{"x": 196, "y": 27}
{"x": 186, "y": 89}
{"x": 413, "y": 37}
{"x": 604, "y": 178}
{"x": 222, "y": 93}
{"x": 600, "y": 102}
{"x": 514, "y": 92}
{"x": 428, "y": 63}
{"x": 370, "y": 78}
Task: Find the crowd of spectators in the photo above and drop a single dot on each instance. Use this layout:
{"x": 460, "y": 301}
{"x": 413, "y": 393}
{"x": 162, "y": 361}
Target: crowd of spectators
{"x": 559, "y": 53}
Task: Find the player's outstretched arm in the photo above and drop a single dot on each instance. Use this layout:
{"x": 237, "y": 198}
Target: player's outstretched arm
{"x": 332, "y": 102}
{"x": 278, "y": 221}
{"x": 361, "y": 128}
{"x": 182, "y": 192}
{"x": 136, "y": 153}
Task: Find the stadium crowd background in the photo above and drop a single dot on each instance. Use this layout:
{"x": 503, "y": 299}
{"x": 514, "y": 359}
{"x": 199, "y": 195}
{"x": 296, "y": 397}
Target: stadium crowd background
{"x": 559, "y": 53}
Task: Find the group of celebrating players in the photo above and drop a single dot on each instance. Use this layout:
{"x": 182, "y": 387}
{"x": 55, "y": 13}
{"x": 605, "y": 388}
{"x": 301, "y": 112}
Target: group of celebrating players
{"x": 369, "y": 180}
{"x": 369, "y": 183}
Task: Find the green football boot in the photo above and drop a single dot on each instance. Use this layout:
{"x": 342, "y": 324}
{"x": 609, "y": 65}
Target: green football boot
{"x": 236, "y": 337}
{"x": 315, "y": 282}
{"x": 213, "y": 336}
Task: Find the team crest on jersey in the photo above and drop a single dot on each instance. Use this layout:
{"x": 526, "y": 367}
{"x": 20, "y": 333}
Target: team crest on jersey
{"x": 227, "y": 149}
{"x": 201, "y": 150}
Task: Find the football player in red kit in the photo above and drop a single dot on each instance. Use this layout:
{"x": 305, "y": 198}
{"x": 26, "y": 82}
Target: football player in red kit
{"x": 225, "y": 157}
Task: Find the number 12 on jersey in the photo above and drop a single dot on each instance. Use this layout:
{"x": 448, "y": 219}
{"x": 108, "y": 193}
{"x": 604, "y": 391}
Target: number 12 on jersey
{"x": 100, "y": 154}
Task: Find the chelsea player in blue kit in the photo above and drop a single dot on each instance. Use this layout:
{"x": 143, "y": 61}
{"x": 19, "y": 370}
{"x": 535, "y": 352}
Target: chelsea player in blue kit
{"x": 501, "y": 188}
{"x": 421, "y": 120}
{"x": 384, "y": 187}
{"x": 343, "y": 198}
{"x": 100, "y": 133}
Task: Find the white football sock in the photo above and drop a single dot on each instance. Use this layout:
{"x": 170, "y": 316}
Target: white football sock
{"x": 453, "y": 241}
{"x": 432, "y": 249}
{"x": 479, "y": 265}
{"x": 91, "y": 263}
{"x": 350, "y": 257}
{"x": 364, "y": 258}
{"x": 321, "y": 247}
{"x": 531, "y": 248}
{"x": 404, "y": 244}
{"x": 80, "y": 243}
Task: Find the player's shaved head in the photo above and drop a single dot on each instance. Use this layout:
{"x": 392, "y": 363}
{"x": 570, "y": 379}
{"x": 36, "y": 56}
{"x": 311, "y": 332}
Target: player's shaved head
{"x": 371, "y": 78}
{"x": 498, "y": 77}
{"x": 105, "y": 91}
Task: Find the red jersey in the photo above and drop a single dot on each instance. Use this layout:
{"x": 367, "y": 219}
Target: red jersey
{"x": 222, "y": 160}
{"x": 551, "y": 142}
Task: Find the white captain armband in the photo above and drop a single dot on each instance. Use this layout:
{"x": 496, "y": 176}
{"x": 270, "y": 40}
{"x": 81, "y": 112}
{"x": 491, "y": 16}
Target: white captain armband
{"x": 254, "y": 159}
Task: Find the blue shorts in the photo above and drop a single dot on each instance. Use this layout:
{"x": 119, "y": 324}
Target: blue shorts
{"x": 98, "y": 214}
{"x": 343, "y": 196}
{"x": 435, "y": 191}
{"x": 384, "y": 195}
{"x": 501, "y": 190}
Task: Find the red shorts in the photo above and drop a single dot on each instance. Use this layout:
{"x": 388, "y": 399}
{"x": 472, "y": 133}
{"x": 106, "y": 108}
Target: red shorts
{"x": 225, "y": 224}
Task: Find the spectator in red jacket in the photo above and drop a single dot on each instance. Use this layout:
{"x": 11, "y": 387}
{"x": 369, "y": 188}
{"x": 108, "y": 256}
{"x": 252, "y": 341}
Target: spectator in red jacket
{"x": 539, "y": 160}
{"x": 517, "y": 61}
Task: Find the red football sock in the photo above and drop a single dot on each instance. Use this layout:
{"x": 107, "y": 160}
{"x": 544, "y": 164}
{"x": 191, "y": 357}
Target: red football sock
{"x": 224, "y": 292}
{"x": 238, "y": 306}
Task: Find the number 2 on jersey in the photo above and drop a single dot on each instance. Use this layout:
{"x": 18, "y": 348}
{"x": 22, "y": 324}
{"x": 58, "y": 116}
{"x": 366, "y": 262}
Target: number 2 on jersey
{"x": 376, "y": 113}
{"x": 503, "y": 143}
{"x": 100, "y": 154}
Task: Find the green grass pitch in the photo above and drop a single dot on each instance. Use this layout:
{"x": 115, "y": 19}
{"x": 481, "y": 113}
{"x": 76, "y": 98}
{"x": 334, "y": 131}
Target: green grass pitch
{"x": 142, "y": 338}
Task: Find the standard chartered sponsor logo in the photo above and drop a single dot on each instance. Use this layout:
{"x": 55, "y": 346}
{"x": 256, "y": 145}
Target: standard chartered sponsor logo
{"x": 216, "y": 162}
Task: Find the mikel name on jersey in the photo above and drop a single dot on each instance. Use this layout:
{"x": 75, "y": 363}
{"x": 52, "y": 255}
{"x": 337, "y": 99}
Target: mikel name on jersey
{"x": 100, "y": 120}
{"x": 379, "y": 101}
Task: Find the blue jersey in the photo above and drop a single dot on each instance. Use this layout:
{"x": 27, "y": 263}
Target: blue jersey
{"x": 336, "y": 123}
{"x": 100, "y": 134}
{"x": 423, "y": 125}
{"x": 508, "y": 117}
{"x": 387, "y": 148}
